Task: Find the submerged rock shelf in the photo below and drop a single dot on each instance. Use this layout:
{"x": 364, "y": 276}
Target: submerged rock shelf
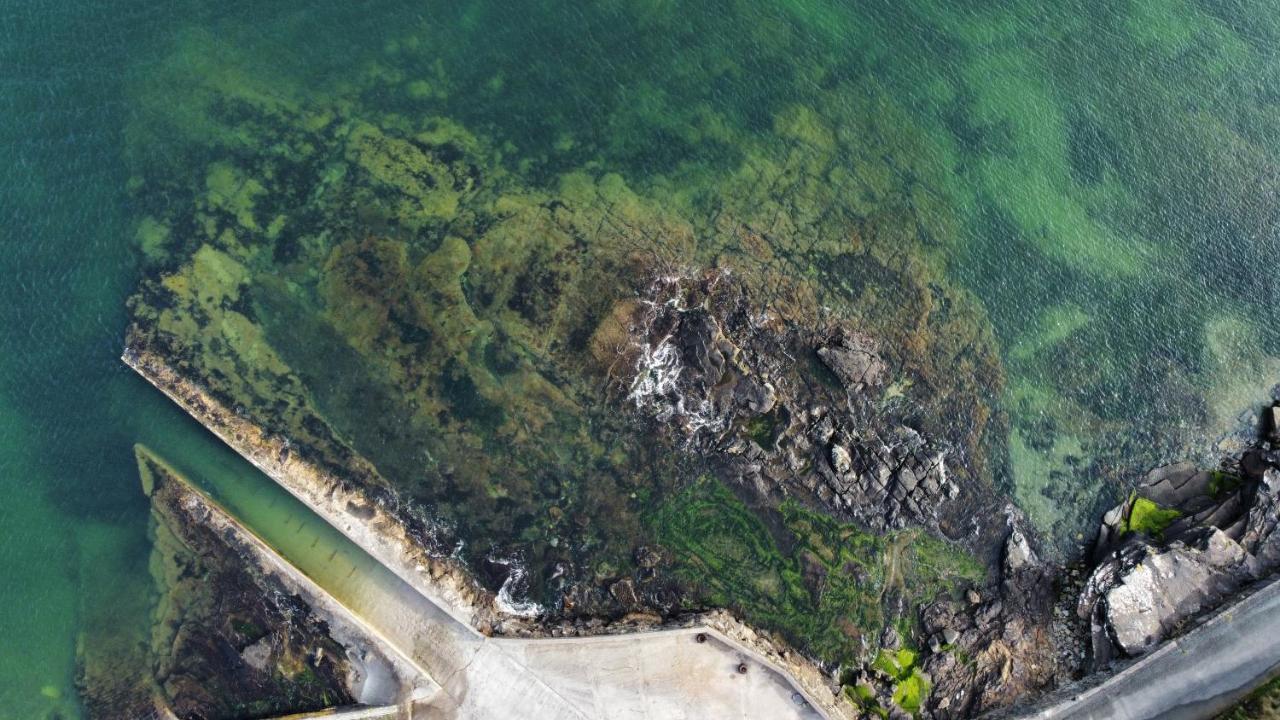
{"x": 237, "y": 632}
{"x": 573, "y": 395}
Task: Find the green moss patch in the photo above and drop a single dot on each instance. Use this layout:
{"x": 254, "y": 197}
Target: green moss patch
{"x": 823, "y": 584}
{"x": 1147, "y": 517}
{"x": 1221, "y": 483}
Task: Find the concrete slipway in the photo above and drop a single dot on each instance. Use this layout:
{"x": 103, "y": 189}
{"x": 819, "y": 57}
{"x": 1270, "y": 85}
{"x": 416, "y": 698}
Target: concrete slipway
{"x": 450, "y": 671}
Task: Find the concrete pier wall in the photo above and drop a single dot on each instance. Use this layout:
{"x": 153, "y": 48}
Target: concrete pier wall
{"x": 716, "y": 669}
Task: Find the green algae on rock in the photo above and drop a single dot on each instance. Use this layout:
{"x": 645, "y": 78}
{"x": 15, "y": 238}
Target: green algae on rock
{"x": 434, "y": 328}
{"x": 834, "y": 589}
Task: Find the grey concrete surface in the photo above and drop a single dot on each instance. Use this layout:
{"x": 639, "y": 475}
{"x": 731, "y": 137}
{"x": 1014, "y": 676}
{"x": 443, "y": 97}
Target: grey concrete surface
{"x": 667, "y": 675}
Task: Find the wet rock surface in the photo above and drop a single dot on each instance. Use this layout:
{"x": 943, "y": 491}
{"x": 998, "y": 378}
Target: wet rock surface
{"x": 791, "y": 409}
{"x": 991, "y": 646}
{"x": 1185, "y": 543}
{"x": 616, "y": 402}
{"x": 383, "y": 300}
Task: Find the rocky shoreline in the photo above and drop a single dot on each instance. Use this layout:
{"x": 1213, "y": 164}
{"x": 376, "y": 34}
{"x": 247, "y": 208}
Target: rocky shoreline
{"x": 236, "y": 632}
{"x": 741, "y": 402}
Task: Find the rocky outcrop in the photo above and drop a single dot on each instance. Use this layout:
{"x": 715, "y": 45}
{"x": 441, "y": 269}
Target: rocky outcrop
{"x": 1183, "y": 543}
{"x": 853, "y": 358}
{"x": 787, "y": 408}
{"x": 984, "y": 650}
{"x": 446, "y": 582}
{"x": 233, "y": 636}
{"x": 994, "y": 646}
{"x": 1149, "y": 591}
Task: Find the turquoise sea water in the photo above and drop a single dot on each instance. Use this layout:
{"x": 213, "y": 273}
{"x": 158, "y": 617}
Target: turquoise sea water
{"x": 1109, "y": 173}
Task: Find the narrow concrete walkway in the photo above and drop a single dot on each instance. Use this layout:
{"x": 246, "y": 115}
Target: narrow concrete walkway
{"x": 665, "y": 675}
{"x": 662, "y": 675}
{"x": 1196, "y": 676}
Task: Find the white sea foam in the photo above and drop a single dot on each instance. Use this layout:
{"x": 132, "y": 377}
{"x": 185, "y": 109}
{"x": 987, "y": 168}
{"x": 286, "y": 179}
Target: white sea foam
{"x": 506, "y": 600}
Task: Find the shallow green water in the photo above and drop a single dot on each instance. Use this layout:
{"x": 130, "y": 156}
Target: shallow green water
{"x": 1104, "y": 176}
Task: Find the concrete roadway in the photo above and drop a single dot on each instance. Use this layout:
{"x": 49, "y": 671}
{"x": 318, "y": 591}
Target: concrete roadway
{"x": 647, "y": 676}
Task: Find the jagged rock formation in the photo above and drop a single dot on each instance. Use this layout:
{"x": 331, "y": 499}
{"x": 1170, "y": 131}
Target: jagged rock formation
{"x": 788, "y": 408}
{"x": 1184, "y": 542}
{"x": 985, "y": 650}
{"x": 796, "y": 410}
{"x": 384, "y": 301}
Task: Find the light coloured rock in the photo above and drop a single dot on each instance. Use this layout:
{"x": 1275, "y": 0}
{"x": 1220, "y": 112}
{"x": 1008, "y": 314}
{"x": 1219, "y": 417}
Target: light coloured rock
{"x": 258, "y": 655}
{"x": 1166, "y": 588}
{"x": 1018, "y": 554}
{"x": 840, "y": 459}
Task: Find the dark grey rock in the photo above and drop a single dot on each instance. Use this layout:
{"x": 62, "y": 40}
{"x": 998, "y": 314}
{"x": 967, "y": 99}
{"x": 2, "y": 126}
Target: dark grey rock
{"x": 854, "y": 360}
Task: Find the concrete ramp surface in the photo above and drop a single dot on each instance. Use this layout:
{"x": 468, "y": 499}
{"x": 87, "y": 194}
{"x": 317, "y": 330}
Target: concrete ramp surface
{"x": 668, "y": 675}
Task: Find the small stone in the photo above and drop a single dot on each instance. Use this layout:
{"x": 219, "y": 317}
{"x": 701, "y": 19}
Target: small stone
{"x": 907, "y": 478}
{"x": 624, "y": 591}
{"x": 840, "y": 459}
{"x": 1018, "y": 553}
{"x": 889, "y": 638}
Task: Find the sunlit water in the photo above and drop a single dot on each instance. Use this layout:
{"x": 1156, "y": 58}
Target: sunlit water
{"x": 1111, "y": 168}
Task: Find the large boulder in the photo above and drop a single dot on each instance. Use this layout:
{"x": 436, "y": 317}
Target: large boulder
{"x": 1161, "y": 589}
{"x": 853, "y": 359}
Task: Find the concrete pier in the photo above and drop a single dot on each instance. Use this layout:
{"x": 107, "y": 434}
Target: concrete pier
{"x": 716, "y": 672}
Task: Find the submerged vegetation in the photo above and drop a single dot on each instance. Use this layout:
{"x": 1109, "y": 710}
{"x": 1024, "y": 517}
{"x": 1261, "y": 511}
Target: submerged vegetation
{"x": 827, "y": 586}
{"x": 227, "y": 640}
{"x": 1072, "y": 194}
{"x": 406, "y": 305}
{"x": 824, "y": 584}
{"x": 417, "y": 265}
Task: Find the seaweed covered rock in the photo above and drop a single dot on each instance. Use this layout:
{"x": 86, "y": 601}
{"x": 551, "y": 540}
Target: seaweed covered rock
{"x": 710, "y": 363}
{"x": 994, "y": 646}
{"x": 482, "y": 354}
{"x": 230, "y": 637}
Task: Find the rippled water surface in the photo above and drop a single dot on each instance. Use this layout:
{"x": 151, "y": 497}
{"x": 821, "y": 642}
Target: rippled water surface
{"x": 1104, "y": 177}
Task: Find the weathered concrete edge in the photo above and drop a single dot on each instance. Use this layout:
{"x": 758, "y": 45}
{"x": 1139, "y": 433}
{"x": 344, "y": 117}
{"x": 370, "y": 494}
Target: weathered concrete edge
{"x": 446, "y": 584}
{"x": 378, "y": 533}
{"x": 351, "y": 713}
{"x": 718, "y": 624}
{"x": 339, "y": 617}
{"x": 1071, "y": 700}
